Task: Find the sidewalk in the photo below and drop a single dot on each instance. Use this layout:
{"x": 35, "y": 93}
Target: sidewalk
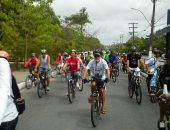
{"x": 20, "y": 75}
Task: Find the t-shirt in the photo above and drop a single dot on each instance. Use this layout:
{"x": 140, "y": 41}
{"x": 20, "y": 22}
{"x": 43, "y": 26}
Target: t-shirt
{"x": 73, "y": 64}
{"x": 112, "y": 58}
{"x": 133, "y": 60}
{"x": 33, "y": 61}
{"x": 98, "y": 69}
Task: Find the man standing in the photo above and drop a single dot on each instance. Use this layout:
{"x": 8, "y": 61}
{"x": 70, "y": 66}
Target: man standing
{"x": 8, "y": 111}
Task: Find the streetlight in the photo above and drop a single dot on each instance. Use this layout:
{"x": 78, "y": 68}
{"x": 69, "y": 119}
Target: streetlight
{"x": 142, "y": 14}
{"x": 152, "y": 25}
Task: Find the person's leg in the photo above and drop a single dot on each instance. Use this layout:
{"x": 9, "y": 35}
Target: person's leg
{"x": 93, "y": 88}
{"x": 103, "y": 98}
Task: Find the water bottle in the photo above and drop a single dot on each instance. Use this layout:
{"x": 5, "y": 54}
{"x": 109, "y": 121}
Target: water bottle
{"x": 165, "y": 90}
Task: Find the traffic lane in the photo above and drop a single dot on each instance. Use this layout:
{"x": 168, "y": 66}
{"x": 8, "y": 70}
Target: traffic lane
{"x": 53, "y": 111}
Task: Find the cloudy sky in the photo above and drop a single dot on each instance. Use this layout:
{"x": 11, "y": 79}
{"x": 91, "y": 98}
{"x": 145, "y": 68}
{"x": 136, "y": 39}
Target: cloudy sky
{"x": 110, "y": 18}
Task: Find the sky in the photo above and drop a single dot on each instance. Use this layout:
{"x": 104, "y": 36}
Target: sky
{"x": 111, "y": 18}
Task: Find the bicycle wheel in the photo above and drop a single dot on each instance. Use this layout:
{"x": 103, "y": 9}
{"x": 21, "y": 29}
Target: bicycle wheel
{"x": 117, "y": 72}
{"x": 131, "y": 92}
{"x": 40, "y": 89}
{"x": 63, "y": 77}
{"x": 114, "y": 77}
{"x": 70, "y": 92}
{"x": 81, "y": 84}
{"x": 28, "y": 82}
{"x": 54, "y": 73}
{"x": 138, "y": 93}
{"x": 94, "y": 111}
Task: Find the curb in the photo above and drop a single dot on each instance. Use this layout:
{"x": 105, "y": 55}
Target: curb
{"x": 21, "y": 85}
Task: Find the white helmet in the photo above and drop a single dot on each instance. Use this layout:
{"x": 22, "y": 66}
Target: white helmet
{"x": 43, "y": 51}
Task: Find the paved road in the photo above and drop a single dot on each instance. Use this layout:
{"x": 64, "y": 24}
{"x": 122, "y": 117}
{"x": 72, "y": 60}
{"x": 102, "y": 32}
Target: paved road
{"x": 53, "y": 111}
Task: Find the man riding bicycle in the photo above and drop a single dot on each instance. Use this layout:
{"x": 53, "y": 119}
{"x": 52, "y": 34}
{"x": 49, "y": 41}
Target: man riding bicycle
{"x": 31, "y": 63}
{"x": 124, "y": 61}
{"x": 113, "y": 60}
{"x": 100, "y": 73}
{"x": 44, "y": 66}
{"x": 72, "y": 65}
{"x": 133, "y": 63}
{"x": 164, "y": 79}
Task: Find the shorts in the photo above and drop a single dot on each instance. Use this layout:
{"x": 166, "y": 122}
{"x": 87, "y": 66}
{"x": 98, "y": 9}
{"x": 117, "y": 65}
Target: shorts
{"x": 43, "y": 70}
{"x": 99, "y": 83}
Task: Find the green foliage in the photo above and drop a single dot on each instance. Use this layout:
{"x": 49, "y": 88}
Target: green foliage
{"x": 27, "y": 26}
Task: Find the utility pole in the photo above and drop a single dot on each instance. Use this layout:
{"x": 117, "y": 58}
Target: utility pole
{"x": 133, "y": 31}
{"x": 152, "y": 29}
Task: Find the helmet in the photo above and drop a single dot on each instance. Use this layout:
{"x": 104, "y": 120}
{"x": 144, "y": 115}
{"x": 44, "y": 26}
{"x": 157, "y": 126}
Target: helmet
{"x": 74, "y": 51}
{"x": 4, "y": 54}
{"x": 43, "y": 51}
{"x": 65, "y": 54}
{"x": 97, "y": 52}
{"x": 133, "y": 48}
{"x": 167, "y": 56}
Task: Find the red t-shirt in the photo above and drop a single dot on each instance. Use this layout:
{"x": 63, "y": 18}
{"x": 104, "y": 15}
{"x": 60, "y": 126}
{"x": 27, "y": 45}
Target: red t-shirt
{"x": 73, "y": 64}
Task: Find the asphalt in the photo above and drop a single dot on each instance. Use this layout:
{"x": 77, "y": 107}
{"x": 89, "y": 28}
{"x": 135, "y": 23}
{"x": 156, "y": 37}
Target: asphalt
{"x": 53, "y": 111}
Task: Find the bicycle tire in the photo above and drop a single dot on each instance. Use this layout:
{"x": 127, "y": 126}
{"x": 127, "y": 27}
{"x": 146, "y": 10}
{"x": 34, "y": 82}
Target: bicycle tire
{"x": 54, "y": 73}
{"x": 81, "y": 83}
{"x": 94, "y": 111}
{"x": 40, "y": 89}
{"x": 114, "y": 77}
{"x": 70, "y": 94}
{"x": 117, "y": 73}
{"x": 138, "y": 93}
{"x": 28, "y": 82}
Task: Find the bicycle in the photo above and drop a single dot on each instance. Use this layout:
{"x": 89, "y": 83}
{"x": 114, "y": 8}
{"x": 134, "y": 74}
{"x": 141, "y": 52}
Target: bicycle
{"x": 96, "y": 104}
{"x": 167, "y": 114}
{"x": 71, "y": 86}
{"x": 30, "y": 80}
{"x": 42, "y": 84}
{"x": 114, "y": 73}
{"x": 135, "y": 86}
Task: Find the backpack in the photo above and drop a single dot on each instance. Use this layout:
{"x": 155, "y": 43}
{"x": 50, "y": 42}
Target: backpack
{"x": 19, "y": 102}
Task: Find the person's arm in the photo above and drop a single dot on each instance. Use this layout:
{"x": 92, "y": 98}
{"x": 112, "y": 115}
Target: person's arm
{"x": 85, "y": 72}
{"x": 107, "y": 70}
{"x": 49, "y": 65}
{"x": 5, "y": 86}
{"x": 37, "y": 64}
{"x": 65, "y": 65}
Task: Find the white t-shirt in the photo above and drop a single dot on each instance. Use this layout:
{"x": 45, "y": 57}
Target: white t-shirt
{"x": 98, "y": 69}
{"x": 152, "y": 64}
{"x": 8, "y": 111}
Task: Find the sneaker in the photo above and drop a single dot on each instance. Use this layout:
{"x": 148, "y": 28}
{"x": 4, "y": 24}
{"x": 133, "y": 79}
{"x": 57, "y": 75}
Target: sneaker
{"x": 162, "y": 124}
{"x": 48, "y": 89}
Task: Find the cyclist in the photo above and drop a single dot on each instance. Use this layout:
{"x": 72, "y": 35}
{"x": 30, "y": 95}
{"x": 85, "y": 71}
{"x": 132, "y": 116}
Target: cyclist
{"x": 73, "y": 65}
{"x": 44, "y": 66}
{"x": 113, "y": 60}
{"x": 31, "y": 63}
{"x": 58, "y": 61}
{"x": 124, "y": 61}
{"x": 100, "y": 72}
{"x": 164, "y": 78}
{"x": 82, "y": 57}
{"x": 65, "y": 57}
{"x": 88, "y": 58}
{"x": 106, "y": 55}
{"x": 151, "y": 66}
{"x": 133, "y": 62}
